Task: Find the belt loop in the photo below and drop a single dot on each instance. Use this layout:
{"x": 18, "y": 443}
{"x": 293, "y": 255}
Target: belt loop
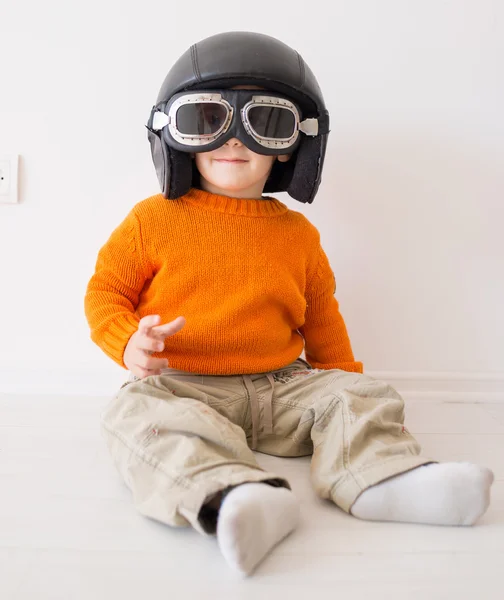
{"x": 254, "y": 408}
{"x": 268, "y": 408}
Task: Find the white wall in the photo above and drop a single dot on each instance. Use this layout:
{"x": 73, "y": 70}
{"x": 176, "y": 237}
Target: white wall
{"x": 410, "y": 209}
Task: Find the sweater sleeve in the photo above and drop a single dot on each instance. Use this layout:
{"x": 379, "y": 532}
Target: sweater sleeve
{"x": 327, "y": 345}
{"x": 113, "y": 292}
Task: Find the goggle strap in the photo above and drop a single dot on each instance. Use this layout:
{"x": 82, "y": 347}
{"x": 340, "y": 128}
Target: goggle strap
{"x": 309, "y": 127}
{"x": 159, "y": 120}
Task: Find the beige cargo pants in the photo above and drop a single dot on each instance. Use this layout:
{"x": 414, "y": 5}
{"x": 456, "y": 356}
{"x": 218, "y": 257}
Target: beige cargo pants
{"x": 178, "y": 438}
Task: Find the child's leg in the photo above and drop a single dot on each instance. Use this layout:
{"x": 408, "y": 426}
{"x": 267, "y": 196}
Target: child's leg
{"x": 437, "y": 494}
{"x": 179, "y": 456}
{"x": 253, "y": 518}
{"x": 364, "y": 459}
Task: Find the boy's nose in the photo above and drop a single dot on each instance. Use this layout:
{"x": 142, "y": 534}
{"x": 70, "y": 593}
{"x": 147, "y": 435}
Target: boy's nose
{"x": 233, "y": 142}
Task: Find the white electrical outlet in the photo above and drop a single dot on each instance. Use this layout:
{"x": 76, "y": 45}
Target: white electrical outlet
{"x": 9, "y": 178}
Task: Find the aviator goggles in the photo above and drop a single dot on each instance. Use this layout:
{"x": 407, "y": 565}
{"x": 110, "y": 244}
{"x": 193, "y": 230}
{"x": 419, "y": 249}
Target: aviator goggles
{"x": 200, "y": 121}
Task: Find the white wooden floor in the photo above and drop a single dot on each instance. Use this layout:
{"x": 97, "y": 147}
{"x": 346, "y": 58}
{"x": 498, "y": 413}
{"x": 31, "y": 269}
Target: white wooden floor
{"x": 69, "y": 531}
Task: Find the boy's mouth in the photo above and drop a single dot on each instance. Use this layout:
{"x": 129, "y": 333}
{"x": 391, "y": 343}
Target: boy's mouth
{"x": 230, "y": 160}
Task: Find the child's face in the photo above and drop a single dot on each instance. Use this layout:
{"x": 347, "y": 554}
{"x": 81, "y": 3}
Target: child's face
{"x": 233, "y": 169}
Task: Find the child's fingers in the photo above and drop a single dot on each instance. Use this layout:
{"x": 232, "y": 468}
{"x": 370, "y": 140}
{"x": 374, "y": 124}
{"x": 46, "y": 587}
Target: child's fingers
{"x": 162, "y": 331}
{"x": 139, "y": 372}
{"x": 149, "y": 344}
{"x": 150, "y": 339}
{"x": 146, "y": 323}
{"x": 149, "y": 363}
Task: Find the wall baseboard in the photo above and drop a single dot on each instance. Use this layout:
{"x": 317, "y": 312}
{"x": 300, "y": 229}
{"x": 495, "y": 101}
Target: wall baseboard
{"x": 415, "y": 386}
{"x": 446, "y": 386}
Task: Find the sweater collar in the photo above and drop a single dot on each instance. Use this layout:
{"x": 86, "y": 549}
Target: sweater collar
{"x": 267, "y": 207}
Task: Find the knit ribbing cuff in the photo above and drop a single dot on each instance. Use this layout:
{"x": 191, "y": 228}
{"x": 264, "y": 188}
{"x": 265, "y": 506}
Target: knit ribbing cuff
{"x": 116, "y": 337}
{"x": 352, "y": 367}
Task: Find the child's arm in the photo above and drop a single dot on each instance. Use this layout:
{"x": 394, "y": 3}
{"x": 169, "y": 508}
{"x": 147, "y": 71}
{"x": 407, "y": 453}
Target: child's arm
{"x": 327, "y": 345}
{"x": 113, "y": 292}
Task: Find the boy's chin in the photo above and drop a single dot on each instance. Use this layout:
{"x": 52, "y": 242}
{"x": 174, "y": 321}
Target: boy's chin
{"x": 234, "y": 186}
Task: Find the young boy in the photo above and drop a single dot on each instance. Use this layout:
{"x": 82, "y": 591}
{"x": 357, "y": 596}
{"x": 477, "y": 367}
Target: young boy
{"x": 209, "y": 292}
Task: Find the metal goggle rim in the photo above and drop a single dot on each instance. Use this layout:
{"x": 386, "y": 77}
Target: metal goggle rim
{"x": 161, "y": 119}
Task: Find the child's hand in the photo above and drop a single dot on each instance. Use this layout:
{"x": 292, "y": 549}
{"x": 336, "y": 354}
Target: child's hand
{"x": 148, "y": 339}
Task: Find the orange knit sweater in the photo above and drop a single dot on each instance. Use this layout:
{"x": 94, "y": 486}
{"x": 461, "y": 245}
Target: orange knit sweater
{"x": 249, "y": 276}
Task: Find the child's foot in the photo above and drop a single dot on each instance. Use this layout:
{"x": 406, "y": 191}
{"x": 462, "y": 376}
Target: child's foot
{"x": 253, "y": 518}
{"x": 437, "y": 494}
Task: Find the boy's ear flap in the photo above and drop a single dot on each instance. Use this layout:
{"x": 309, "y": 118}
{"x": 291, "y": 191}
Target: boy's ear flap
{"x": 195, "y": 175}
{"x": 158, "y": 158}
{"x": 174, "y": 169}
{"x": 181, "y": 172}
{"x": 280, "y": 176}
{"x": 306, "y": 178}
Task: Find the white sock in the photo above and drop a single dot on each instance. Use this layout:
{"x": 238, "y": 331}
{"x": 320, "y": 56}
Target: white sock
{"x": 253, "y": 518}
{"x": 455, "y": 493}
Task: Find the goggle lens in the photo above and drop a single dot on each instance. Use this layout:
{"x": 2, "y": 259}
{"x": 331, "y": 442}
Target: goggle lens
{"x": 201, "y": 118}
{"x": 272, "y": 122}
